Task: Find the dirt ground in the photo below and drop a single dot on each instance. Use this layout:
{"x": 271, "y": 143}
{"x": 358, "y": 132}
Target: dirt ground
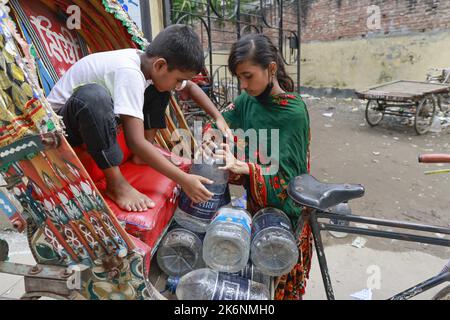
{"x": 384, "y": 159}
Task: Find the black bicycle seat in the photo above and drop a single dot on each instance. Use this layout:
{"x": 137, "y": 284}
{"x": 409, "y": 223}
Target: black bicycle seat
{"x": 309, "y": 192}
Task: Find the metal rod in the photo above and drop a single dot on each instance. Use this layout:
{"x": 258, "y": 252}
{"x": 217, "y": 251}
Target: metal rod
{"x": 280, "y": 32}
{"x": 422, "y": 287}
{"x": 321, "y": 256}
{"x": 238, "y": 18}
{"x": 146, "y": 20}
{"x": 167, "y": 8}
{"x": 386, "y": 234}
{"x": 384, "y": 222}
{"x": 35, "y": 271}
{"x": 209, "y": 38}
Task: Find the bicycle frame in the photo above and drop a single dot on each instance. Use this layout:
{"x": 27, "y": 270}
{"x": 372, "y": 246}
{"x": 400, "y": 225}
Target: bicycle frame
{"x": 312, "y": 216}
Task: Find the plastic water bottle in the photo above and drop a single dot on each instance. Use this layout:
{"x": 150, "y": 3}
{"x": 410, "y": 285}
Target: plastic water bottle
{"x": 180, "y": 252}
{"x": 207, "y": 284}
{"x": 252, "y": 273}
{"x": 197, "y": 216}
{"x": 273, "y": 249}
{"x": 226, "y": 246}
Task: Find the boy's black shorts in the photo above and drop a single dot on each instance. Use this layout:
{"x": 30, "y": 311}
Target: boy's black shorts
{"x": 155, "y": 104}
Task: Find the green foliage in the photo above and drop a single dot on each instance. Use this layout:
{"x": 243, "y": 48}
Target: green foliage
{"x": 224, "y": 8}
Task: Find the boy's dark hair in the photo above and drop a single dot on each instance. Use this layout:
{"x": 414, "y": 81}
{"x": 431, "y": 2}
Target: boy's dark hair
{"x": 258, "y": 49}
{"x": 180, "y": 46}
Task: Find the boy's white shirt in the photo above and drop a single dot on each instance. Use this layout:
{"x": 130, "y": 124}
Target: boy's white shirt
{"x": 118, "y": 71}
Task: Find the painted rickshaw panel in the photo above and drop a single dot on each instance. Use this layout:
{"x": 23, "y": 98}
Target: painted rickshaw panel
{"x": 68, "y": 221}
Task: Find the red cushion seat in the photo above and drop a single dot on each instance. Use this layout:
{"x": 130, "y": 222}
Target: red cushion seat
{"x": 148, "y": 225}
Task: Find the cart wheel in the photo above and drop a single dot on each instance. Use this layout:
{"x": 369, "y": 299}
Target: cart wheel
{"x": 444, "y": 294}
{"x": 374, "y": 112}
{"x": 425, "y": 113}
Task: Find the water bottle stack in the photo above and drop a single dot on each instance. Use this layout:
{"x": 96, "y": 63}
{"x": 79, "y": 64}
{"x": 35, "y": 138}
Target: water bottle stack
{"x": 242, "y": 256}
{"x": 218, "y": 252}
{"x": 180, "y": 251}
{"x": 273, "y": 250}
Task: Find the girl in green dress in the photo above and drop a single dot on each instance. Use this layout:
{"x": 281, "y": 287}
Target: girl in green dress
{"x": 270, "y": 106}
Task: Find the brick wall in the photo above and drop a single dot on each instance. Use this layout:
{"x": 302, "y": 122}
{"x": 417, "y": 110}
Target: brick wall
{"x": 329, "y": 20}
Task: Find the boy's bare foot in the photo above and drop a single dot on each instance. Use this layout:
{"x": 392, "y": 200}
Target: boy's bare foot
{"x": 128, "y": 198}
{"x": 123, "y": 194}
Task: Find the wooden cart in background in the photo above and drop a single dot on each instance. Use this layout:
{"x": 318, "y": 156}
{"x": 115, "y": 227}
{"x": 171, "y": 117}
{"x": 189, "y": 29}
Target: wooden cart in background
{"x": 409, "y": 99}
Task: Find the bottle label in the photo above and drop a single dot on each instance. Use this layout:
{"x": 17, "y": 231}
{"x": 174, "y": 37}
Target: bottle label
{"x": 230, "y": 287}
{"x": 204, "y": 210}
{"x": 270, "y": 220}
{"x": 234, "y": 216}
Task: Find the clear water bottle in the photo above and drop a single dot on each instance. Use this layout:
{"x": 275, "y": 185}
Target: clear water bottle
{"x": 252, "y": 273}
{"x": 226, "y": 246}
{"x": 180, "y": 252}
{"x": 273, "y": 249}
{"x": 197, "y": 216}
{"x": 207, "y": 284}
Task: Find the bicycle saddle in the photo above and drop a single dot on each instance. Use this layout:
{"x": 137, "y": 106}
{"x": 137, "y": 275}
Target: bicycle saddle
{"x": 309, "y": 192}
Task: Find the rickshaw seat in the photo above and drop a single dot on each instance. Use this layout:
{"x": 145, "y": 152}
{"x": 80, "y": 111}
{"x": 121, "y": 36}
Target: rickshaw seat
{"x": 147, "y": 225}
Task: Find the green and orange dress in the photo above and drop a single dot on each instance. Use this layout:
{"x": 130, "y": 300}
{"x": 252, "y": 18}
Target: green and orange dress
{"x": 272, "y": 167}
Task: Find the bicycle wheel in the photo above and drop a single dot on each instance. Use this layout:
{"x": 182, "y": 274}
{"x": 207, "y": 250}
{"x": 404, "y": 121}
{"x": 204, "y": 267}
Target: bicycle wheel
{"x": 444, "y": 294}
{"x": 425, "y": 113}
{"x": 374, "y": 113}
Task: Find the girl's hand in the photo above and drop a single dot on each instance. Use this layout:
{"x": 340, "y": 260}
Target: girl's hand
{"x": 231, "y": 163}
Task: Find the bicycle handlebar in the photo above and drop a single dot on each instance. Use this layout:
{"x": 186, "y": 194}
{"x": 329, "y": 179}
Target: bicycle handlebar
{"x": 434, "y": 158}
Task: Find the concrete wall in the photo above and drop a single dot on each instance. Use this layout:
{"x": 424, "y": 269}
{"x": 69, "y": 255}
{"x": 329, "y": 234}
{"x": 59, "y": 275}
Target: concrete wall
{"x": 355, "y": 44}
{"x": 360, "y": 63}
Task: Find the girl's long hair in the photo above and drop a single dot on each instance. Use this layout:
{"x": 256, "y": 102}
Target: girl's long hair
{"x": 259, "y": 50}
